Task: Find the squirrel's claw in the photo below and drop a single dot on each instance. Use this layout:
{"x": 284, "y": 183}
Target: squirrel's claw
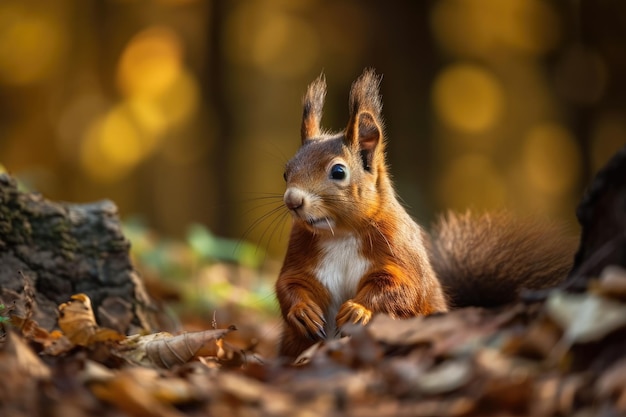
{"x": 355, "y": 313}
{"x": 308, "y": 319}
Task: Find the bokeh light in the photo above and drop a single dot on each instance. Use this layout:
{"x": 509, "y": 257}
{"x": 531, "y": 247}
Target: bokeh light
{"x": 485, "y": 27}
{"x": 275, "y": 41}
{"x": 467, "y": 98}
{"x": 473, "y": 181}
{"x": 551, "y": 159}
{"x": 150, "y": 63}
{"x": 113, "y": 145}
{"x": 159, "y": 94}
{"x": 31, "y": 44}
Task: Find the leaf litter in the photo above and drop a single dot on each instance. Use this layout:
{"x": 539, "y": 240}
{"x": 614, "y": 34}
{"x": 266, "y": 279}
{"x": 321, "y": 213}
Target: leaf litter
{"x": 565, "y": 355}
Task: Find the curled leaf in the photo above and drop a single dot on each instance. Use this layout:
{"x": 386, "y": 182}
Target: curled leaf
{"x": 78, "y": 323}
{"x": 165, "y": 350}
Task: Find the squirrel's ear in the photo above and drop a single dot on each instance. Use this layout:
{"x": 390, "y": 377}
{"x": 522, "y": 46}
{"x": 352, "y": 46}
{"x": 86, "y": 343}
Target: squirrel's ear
{"x": 313, "y": 104}
{"x": 364, "y": 129}
{"x": 366, "y": 134}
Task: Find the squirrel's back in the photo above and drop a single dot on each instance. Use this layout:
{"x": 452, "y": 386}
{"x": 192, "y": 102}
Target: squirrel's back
{"x": 487, "y": 259}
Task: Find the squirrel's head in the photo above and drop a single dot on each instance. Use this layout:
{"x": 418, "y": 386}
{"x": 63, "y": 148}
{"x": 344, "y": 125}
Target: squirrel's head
{"x": 335, "y": 182}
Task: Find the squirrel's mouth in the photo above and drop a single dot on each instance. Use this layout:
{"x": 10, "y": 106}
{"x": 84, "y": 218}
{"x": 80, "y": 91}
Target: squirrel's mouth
{"x": 323, "y": 223}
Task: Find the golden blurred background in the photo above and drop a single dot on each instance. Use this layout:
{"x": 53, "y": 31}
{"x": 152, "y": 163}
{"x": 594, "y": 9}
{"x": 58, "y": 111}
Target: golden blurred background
{"x": 185, "y": 111}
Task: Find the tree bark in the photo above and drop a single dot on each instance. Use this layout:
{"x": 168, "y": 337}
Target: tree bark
{"x": 49, "y": 251}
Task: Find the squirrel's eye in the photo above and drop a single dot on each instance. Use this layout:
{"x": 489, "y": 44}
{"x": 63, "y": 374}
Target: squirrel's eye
{"x": 338, "y": 172}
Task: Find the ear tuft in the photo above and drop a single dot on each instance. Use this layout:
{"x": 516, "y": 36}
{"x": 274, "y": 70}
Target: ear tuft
{"x": 313, "y": 103}
{"x": 364, "y": 94}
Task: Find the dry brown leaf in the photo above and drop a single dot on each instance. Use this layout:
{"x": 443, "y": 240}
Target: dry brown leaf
{"x": 407, "y": 332}
{"x": 227, "y": 354}
{"x": 30, "y": 329}
{"x": 496, "y": 364}
{"x": 57, "y": 344}
{"x": 23, "y": 358}
{"x": 512, "y": 393}
{"x": 21, "y": 373}
{"x": 78, "y": 323}
{"x": 248, "y": 391}
{"x": 165, "y": 350}
{"x": 54, "y": 343}
{"x": 556, "y": 394}
{"x": 612, "y": 384}
{"x": 136, "y": 391}
{"x": 536, "y": 341}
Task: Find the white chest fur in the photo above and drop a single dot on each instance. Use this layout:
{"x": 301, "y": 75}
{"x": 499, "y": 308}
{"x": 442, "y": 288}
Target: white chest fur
{"x": 340, "y": 270}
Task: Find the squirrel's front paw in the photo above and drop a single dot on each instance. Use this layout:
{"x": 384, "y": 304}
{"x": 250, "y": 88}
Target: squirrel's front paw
{"x": 308, "y": 319}
{"x": 351, "y": 312}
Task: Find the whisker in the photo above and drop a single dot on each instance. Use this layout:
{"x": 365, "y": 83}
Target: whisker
{"x": 282, "y": 230}
{"x": 330, "y": 227}
{"x": 260, "y": 220}
{"x": 263, "y": 205}
{"x": 278, "y": 219}
{"x": 262, "y": 193}
{"x": 380, "y": 232}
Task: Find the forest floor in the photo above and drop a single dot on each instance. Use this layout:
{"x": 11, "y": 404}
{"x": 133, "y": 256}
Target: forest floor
{"x": 562, "y": 355}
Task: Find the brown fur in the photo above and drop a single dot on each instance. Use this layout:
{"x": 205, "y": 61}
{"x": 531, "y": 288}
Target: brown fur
{"x": 399, "y": 280}
{"x": 487, "y": 259}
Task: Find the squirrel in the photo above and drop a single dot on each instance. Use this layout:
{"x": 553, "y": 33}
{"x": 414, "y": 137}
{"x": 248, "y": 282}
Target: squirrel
{"x": 354, "y": 251}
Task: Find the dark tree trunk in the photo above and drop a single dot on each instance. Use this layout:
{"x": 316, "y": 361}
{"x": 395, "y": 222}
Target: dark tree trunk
{"x": 602, "y": 215}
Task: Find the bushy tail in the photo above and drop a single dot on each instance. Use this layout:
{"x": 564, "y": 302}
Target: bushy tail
{"x": 485, "y": 260}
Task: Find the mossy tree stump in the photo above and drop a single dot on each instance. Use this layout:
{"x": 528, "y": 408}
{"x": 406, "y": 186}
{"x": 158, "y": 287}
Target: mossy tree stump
{"x": 53, "y": 250}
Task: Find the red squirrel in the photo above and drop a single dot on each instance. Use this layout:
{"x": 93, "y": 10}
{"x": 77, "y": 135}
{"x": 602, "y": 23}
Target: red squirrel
{"x": 354, "y": 251}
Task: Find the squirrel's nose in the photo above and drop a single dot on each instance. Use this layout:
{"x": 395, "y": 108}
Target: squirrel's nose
{"x": 294, "y": 198}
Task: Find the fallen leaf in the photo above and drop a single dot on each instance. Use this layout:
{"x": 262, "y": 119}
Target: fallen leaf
{"x": 248, "y": 391}
{"x": 78, "y": 323}
{"x": 165, "y": 350}
{"x": 58, "y": 344}
{"x": 30, "y": 329}
{"x": 585, "y": 317}
{"x": 612, "y": 384}
{"x": 21, "y": 374}
{"x": 512, "y": 393}
{"x": 24, "y": 359}
{"x": 135, "y": 391}
{"x": 53, "y": 343}
{"x": 537, "y": 341}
